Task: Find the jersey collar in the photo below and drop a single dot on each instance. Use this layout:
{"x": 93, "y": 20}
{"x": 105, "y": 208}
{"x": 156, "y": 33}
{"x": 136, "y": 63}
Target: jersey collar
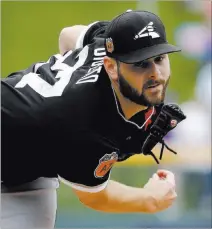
{"x": 120, "y": 112}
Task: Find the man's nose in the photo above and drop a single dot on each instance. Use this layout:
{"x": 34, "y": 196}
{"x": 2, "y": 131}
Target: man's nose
{"x": 155, "y": 73}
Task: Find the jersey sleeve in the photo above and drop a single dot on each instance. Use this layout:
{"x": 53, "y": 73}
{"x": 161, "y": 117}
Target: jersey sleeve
{"x": 93, "y": 30}
{"x": 86, "y": 165}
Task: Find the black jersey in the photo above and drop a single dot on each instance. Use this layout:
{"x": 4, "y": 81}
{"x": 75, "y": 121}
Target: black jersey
{"x": 62, "y": 118}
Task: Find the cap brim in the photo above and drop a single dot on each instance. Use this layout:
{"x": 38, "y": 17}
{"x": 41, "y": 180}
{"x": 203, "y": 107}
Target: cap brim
{"x": 146, "y": 53}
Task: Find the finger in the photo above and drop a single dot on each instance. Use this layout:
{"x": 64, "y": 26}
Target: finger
{"x": 169, "y": 176}
{"x": 169, "y": 203}
{"x": 170, "y": 179}
{"x": 162, "y": 174}
{"x": 155, "y": 176}
{"x": 172, "y": 195}
{"x": 166, "y": 204}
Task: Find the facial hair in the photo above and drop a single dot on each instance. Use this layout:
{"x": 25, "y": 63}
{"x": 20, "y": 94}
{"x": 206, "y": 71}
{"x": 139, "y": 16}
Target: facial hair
{"x": 133, "y": 95}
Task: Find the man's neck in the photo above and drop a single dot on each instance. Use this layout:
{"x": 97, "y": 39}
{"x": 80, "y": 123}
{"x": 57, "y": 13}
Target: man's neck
{"x": 129, "y": 108}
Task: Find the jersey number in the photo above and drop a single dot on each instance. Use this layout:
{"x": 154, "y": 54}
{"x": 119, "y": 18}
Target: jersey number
{"x": 65, "y": 72}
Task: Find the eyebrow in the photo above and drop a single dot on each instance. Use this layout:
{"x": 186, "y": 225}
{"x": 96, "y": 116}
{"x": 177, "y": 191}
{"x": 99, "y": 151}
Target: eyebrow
{"x": 140, "y": 62}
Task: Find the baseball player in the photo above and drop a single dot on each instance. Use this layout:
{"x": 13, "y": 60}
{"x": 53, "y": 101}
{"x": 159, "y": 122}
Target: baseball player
{"x": 76, "y": 115}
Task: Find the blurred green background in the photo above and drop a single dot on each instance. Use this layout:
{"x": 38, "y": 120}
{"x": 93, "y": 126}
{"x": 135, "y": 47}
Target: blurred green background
{"x": 30, "y": 31}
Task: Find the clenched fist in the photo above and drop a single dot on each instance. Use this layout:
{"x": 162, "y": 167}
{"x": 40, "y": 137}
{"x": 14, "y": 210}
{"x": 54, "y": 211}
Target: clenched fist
{"x": 161, "y": 190}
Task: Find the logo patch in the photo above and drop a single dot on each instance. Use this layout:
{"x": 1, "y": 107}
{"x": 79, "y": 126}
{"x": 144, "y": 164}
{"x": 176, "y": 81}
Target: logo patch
{"x": 105, "y": 164}
{"x": 109, "y": 45}
{"x": 147, "y": 31}
{"x": 173, "y": 123}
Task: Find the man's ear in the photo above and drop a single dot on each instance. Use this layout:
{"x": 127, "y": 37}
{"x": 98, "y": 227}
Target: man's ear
{"x": 111, "y": 68}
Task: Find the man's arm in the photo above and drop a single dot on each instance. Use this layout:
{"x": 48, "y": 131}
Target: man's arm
{"x": 78, "y": 36}
{"x": 89, "y": 178}
{"x": 158, "y": 194}
{"x": 68, "y": 37}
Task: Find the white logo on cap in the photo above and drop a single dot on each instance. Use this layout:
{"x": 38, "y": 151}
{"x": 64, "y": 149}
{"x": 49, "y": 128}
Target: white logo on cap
{"x": 147, "y": 31}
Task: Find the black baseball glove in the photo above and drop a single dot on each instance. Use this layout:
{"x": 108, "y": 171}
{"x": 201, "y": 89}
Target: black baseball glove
{"x": 169, "y": 117}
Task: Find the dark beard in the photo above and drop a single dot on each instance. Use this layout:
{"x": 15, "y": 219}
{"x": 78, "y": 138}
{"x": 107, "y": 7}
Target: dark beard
{"x": 133, "y": 95}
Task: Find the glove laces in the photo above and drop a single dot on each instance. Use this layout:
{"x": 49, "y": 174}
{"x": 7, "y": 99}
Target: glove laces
{"x": 161, "y": 151}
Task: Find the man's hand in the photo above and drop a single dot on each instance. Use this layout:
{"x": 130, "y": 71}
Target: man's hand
{"x": 161, "y": 189}
{"x": 157, "y": 195}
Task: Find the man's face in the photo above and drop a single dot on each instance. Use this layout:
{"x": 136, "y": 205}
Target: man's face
{"x": 145, "y": 83}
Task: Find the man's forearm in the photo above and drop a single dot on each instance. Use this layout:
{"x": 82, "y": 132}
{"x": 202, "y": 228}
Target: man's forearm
{"x": 120, "y": 198}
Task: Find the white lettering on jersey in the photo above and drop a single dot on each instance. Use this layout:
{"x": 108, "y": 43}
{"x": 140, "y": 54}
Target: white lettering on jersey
{"x": 99, "y": 52}
{"x": 65, "y": 72}
{"x": 96, "y": 67}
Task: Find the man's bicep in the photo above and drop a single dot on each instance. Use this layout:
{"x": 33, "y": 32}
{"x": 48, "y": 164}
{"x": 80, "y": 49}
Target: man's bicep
{"x": 87, "y": 167}
{"x": 81, "y": 176}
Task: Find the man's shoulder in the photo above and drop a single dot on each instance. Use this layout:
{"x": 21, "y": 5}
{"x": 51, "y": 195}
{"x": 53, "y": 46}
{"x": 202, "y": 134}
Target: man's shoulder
{"x": 88, "y": 92}
{"x": 93, "y": 31}
{"x": 73, "y": 79}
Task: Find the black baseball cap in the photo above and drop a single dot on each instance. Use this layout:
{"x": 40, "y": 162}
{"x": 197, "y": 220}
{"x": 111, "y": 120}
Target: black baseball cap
{"x": 135, "y": 36}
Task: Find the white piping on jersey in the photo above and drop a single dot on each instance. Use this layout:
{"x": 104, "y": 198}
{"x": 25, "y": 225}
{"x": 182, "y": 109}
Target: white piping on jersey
{"x": 84, "y": 188}
{"x": 139, "y": 127}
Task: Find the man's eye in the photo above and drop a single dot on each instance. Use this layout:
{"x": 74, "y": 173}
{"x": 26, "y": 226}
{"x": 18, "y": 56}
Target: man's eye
{"x": 143, "y": 64}
{"x": 159, "y": 58}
